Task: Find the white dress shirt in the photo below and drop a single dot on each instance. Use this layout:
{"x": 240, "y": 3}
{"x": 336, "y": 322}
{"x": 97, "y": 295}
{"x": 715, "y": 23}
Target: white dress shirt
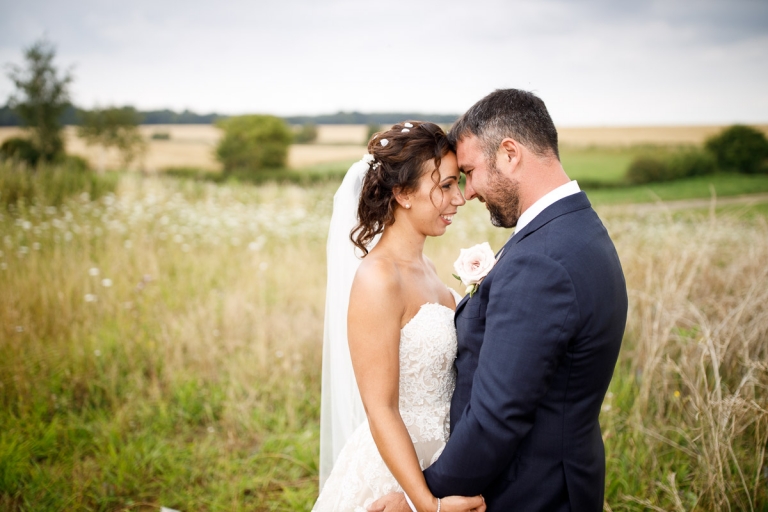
{"x": 546, "y": 200}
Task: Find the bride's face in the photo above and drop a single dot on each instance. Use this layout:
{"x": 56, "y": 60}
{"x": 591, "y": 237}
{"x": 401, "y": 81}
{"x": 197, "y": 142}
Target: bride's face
{"x": 434, "y": 204}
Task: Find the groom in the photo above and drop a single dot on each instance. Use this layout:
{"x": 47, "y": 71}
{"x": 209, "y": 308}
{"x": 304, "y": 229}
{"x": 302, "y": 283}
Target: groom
{"x": 539, "y": 339}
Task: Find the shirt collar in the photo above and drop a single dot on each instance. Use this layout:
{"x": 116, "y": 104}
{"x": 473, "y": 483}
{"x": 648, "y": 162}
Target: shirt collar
{"x": 546, "y": 200}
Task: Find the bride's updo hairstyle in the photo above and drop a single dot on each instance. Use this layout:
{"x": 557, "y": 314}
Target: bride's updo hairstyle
{"x": 399, "y": 155}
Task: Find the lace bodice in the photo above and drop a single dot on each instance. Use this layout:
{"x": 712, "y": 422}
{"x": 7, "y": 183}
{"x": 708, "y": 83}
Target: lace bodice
{"x": 427, "y": 379}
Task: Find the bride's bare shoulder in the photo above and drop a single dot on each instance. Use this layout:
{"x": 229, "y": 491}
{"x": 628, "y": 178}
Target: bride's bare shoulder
{"x": 377, "y": 277}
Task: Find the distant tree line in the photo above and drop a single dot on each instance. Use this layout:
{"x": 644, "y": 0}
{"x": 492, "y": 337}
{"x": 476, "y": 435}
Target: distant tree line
{"x": 70, "y": 117}
{"x": 374, "y": 118}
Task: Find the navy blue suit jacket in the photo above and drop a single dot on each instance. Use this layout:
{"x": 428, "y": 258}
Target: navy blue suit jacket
{"x": 537, "y": 345}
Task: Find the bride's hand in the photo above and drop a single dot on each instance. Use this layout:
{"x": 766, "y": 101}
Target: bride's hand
{"x": 462, "y": 504}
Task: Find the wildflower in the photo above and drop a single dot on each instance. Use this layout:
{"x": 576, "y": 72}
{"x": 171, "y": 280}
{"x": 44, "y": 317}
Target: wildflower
{"x": 89, "y": 297}
{"x": 127, "y": 244}
{"x": 97, "y": 353}
{"x": 36, "y": 246}
{"x": 23, "y": 250}
{"x": 19, "y": 328}
{"x": 93, "y": 271}
{"x": 211, "y": 430}
{"x": 279, "y": 354}
{"x": 106, "y": 283}
{"x": 677, "y": 394}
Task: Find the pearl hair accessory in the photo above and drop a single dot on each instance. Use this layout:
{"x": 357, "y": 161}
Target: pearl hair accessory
{"x": 405, "y": 130}
{"x": 371, "y": 161}
{"x": 384, "y": 142}
{"x": 408, "y": 125}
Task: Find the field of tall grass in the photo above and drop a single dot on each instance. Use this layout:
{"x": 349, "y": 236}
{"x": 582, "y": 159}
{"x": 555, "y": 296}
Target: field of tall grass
{"x": 160, "y": 346}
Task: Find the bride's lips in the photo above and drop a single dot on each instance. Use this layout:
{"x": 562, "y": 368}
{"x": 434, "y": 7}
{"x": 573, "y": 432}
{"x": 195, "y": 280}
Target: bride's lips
{"x": 447, "y": 217}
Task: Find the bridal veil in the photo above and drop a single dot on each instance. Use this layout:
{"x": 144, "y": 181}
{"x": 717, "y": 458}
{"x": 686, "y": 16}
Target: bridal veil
{"x": 341, "y": 409}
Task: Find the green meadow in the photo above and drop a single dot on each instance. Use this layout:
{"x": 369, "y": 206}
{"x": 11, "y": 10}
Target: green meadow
{"x": 160, "y": 339}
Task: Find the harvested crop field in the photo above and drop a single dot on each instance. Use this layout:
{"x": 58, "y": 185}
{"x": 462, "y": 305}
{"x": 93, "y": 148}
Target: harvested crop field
{"x": 193, "y": 145}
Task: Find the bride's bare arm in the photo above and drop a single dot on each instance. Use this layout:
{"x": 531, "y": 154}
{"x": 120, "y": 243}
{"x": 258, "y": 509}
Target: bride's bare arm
{"x": 376, "y": 309}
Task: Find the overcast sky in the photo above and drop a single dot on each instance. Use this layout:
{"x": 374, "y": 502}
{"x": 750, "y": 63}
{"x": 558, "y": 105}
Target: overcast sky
{"x": 594, "y": 62}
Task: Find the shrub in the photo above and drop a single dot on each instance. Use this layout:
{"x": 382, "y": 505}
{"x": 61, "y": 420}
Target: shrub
{"x": 306, "y": 133}
{"x": 691, "y": 162}
{"x": 20, "y": 149}
{"x": 647, "y": 169}
{"x": 50, "y": 184}
{"x": 253, "y": 143}
{"x": 161, "y": 136}
{"x": 740, "y": 148}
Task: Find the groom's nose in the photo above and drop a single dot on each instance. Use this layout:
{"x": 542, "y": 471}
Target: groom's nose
{"x": 469, "y": 191}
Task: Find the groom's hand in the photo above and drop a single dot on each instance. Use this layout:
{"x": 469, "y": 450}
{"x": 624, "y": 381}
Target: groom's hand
{"x": 393, "y": 502}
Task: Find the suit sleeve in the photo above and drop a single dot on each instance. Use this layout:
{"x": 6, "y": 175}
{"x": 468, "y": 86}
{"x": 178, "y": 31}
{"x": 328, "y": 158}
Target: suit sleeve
{"x": 530, "y": 317}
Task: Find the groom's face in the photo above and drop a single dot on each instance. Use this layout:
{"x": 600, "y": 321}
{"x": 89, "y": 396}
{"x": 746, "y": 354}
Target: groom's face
{"x": 488, "y": 184}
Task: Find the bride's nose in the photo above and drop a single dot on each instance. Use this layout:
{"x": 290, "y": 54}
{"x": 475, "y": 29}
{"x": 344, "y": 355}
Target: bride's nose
{"x": 458, "y": 198}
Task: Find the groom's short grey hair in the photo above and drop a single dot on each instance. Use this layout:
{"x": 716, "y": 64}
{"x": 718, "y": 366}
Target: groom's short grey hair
{"x": 520, "y": 115}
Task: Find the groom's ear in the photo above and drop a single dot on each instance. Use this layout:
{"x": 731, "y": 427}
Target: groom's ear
{"x": 509, "y": 153}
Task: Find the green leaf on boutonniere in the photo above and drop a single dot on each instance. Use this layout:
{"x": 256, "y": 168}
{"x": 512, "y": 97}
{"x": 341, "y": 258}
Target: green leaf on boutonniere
{"x": 457, "y": 277}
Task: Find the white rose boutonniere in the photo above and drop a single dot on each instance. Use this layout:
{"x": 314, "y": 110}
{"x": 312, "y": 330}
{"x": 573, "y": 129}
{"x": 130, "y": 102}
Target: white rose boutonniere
{"x": 473, "y": 265}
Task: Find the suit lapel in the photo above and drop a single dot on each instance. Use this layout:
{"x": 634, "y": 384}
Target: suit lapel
{"x": 461, "y": 305}
{"x": 564, "y": 206}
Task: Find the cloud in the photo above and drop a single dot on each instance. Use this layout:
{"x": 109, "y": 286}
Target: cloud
{"x": 593, "y": 61}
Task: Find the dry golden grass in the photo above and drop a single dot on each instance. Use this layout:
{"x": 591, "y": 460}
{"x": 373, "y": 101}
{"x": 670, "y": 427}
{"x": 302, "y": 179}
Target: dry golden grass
{"x": 191, "y": 378}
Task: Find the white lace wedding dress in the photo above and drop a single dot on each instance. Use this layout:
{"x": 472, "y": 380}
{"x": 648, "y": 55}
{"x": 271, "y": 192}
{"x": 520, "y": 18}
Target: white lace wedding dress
{"x": 427, "y": 351}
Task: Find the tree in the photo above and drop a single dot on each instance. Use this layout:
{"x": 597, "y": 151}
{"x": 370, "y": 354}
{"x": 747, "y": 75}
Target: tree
{"x": 113, "y": 127}
{"x": 306, "y": 134}
{"x": 740, "y": 148}
{"x": 253, "y": 142}
{"x": 42, "y": 98}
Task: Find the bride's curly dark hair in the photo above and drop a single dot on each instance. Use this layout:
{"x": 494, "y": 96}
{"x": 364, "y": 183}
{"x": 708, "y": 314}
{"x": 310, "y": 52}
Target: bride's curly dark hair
{"x": 398, "y": 165}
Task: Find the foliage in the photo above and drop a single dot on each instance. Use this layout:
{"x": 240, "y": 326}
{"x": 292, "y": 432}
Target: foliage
{"x": 740, "y": 148}
{"x": 670, "y": 164}
{"x": 306, "y": 134}
{"x": 114, "y": 127}
{"x": 51, "y": 184}
{"x": 371, "y": 118}
{"x": 161, "y": 136}
{"x": 185, "y": 117}
{"x": 42, "y": 97}
{"x": 647, "y": 169}
{"x": 691, "y": 162}
{"x": 20, "y": 149}
{"x": 253, "y": 143}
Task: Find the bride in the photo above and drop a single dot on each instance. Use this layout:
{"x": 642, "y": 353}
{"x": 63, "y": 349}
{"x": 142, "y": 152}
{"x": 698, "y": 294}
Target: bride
{"x": 399, "y": 324}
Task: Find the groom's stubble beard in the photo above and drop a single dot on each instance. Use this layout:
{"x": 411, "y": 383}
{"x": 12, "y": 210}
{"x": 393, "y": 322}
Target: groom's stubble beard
{"x": 503, "y": 202}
